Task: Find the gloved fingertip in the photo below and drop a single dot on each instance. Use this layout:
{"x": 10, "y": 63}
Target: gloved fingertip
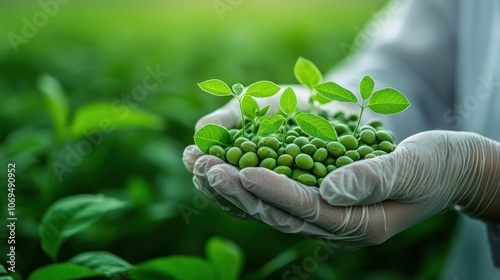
{"x": 223, "y": 176}
{"x": 204, "y": 163}
{"x": 255, "y": 176}
{"x": 190, "y": 156}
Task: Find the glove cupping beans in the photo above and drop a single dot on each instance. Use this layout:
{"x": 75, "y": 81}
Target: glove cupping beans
{"x": 305, "y": 146}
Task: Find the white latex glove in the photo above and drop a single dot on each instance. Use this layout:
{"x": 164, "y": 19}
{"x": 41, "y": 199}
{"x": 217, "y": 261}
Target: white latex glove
{"x": 366, "y": 202}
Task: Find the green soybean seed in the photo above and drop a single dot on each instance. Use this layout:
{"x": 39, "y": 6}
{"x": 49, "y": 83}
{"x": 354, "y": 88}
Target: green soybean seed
{"x": 390, "y": 133}
{"x": 319, "y": 169}
{"x": 353, "y": 117}
{"x": 233, "y": 155}
{"x": 352, "y": 125}
{"x": 367, "y": 127}
{"x": 293, "y": 150}
{"x": 281, "y": 151}
{"x": 290, "y": 139}
{"x": 319, "y": 143}
{"x": 386, "y": 146}
{"x": 298, "y": 130}
{"x": 330, "y": 168}
{"x": 375, "y": 122}
{"x": 304, "y": 162}
{"x": 354, "y": 155}
{"x": 232, "y": 132}
{"x": 285, "y": 160}
{"x": 269, "y": 163}
{"x": 341, "y": 128}
{"x": 248, "y": 146}
{"x": 374, "y": 147}
{"x": 256, "y": 139}
{"x": 307, "y": 179}
{"x": 283, "y": 170}
{"x": 336, "y": 149}
{"x": 368, "y": 136}
{"x": 249, "y": 159}
{"x": 320, "y": 180}
{"x": 227, "y": 149}
{"x": 369, "y": 156}
{"x": 270, "y": 142}
{"x": 329, "y": 161}
{"x": 217, "y": 151}
{"x": 266, "y": 152}
{"x": 297, "y": 172}
{"x": 301, "y": 141}
{"x": 384, "y": 136}
{"x": 308, "y": 149}
{"x": 349, "y": 142}
{"x": 292, "y": 133}
{"x": 239, "y": 141}
{"x": 343, "y": 160}
{"x": 364, "y": 150}
{"x": 379, "y": 153}
{"x": 320, "y": 155}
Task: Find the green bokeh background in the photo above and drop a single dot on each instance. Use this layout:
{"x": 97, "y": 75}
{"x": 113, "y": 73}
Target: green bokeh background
{"x": 100, "y": 51}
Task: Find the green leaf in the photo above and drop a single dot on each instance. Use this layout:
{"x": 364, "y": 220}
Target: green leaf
{"x": 366, "y": 87}
{"x": 238, "y": 88}
{"x": 215, "y": 87}
{"x": 333, "y": 91}
{"x": 175, "y": 267}
{"x": 316, "y": 126}
{"x": 270, "y": 124}
{"x": 388, "y": 101}
{"x": 56, "y": 101}
{"x": 262, "y": 89}
{"x": 106, "y": 117}
{"x": 211, "y": 134}
{"x": 288, "y": 101}
{"x": 6, "y": 277}
{"x": 63, "y": 271}
{"x": 250, "y": 106}
{"x": 322, "y": 100}
{"x": 307, "y": 73}
{"x": 102, "y": 261}
{"x": 2, "y": 270}
{"x": 226, "y": 258}
{"x": 264, "y": 111}
{"x": 71, "y": 215}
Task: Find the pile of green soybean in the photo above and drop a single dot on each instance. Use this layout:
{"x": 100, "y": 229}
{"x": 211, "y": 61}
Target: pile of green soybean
{"x": 304, "y": 158}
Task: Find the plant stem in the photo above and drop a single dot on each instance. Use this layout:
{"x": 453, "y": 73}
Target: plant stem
{"x": 360, "y": 115}
{"x": 284, "y": 132}
{"x": 243, "y": 127}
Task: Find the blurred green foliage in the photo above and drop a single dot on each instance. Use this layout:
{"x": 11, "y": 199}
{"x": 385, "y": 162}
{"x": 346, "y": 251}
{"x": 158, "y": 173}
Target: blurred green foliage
{"x": 135, "y": 65}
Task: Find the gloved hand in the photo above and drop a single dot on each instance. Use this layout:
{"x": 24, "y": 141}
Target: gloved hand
{"x": 366, "y": 202}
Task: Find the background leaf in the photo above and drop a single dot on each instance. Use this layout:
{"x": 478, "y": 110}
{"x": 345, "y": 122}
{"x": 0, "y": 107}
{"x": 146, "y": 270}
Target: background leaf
{"x": 322, "y": 100}
{"x": 388, "y": 101}
{"x": 333, "y": 91}
{"x": 101, "y": 261}
{"x": 307, "y": 73}
{"x": 288, "y": 101}
{"x": 250, "y": 107}
{"x": 316, "y": 126}
{"x": 270, "y": 124}
{"x": 177, "y": 267}
{"x": 106, "y": 116}
{"x": 211, "y": 134}
{"x": 366, "y": 87}
{"x": 263, "y": 89}
{"x": 63, "y": 271}
{"x": 226, "y": 258}
{"x": 215, "y": 87}
{"x": 71, "y": 215}
{"x": 56, "y": 101}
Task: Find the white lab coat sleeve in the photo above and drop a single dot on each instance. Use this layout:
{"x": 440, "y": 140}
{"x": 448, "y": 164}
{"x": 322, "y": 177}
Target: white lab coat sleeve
{"x": 411, "y": 47}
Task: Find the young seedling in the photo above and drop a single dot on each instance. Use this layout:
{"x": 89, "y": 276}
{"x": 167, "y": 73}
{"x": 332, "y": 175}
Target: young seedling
{"x": 288, "y": 105}
{"x": 251, "y": 110}
{"x": 309, "y": 76}
{"x": 385, "y": 101}
{"x": 258, "y": 89}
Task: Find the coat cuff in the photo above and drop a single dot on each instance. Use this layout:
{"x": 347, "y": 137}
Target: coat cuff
{"x": 494, "y": 238}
